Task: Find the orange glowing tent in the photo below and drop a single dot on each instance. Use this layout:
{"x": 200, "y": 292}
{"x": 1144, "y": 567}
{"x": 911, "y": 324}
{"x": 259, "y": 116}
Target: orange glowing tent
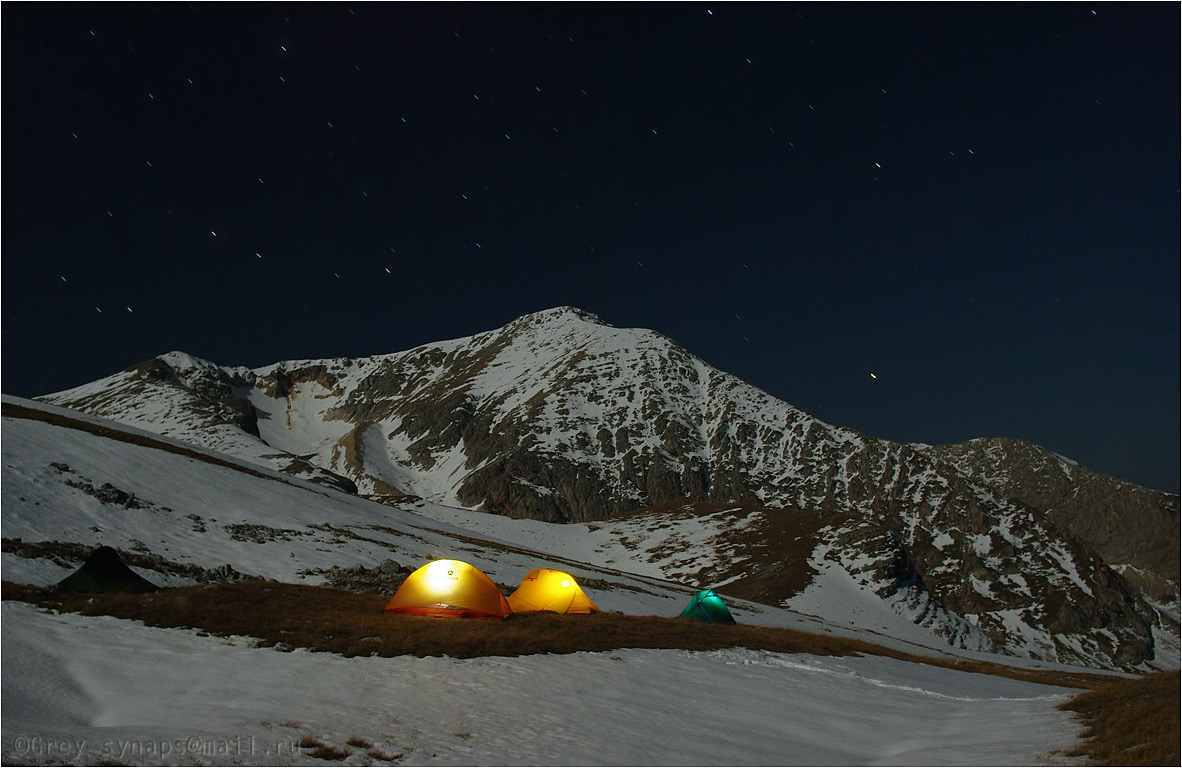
{"x": 450, "y": 589}
{"x": 544, "y": 589}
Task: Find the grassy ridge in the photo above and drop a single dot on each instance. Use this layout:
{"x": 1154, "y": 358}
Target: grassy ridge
{"x": 1129, "y": 721}
{"x": 352, "y": 624}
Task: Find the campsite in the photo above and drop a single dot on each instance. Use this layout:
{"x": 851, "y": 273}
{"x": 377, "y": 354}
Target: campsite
{"x": 436, "y": 612}
{"x": 301, "y": 615}
{"x": 317, "y": 631}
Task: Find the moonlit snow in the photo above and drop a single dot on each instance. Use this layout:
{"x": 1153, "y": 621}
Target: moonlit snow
{"x": 89, "y": 690}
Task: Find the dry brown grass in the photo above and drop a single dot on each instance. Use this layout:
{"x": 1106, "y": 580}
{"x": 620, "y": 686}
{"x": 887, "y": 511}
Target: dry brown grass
{"x": 322, "y": 619}
{"x": 1130, "y": 722}
{"x": 328, "y": 752}
{"x": 387, "y": 757}
{"x": 322, "y": 750}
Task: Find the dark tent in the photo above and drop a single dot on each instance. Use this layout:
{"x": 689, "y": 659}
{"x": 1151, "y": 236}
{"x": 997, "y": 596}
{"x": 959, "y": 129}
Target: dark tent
{"x": 104, "y": 571}
{"x": 707, "y": 606}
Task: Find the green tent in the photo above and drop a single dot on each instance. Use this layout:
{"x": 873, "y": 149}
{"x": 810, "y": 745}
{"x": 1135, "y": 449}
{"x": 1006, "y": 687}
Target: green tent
{"x": 104, "y": 571}
{"x": 707, "y": 606}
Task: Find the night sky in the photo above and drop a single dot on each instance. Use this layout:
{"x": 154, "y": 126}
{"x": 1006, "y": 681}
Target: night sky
{"x": 979, "y": 204}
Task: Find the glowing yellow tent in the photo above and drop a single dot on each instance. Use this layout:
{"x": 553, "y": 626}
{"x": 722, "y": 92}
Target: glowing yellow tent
{"x": 449, "y": 588}
{"x": 544, "y": 589}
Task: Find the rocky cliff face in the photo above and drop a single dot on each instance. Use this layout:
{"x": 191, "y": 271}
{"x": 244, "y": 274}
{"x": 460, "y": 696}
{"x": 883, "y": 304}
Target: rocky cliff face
{"x": 1124, "y": 523}
{"x": 558, "y": 417}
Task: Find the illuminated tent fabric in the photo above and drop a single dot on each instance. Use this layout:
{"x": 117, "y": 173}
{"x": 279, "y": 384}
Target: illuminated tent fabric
{"x": 544, "y": 589}
{"x": 449, "y": 588}
{"x": 104, "y": 571}
{"x": 707, "y": 606}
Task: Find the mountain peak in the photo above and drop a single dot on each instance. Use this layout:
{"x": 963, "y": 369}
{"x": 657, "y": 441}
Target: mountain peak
{"x": 563, "y": 314}
{"x": 181, "y": 361}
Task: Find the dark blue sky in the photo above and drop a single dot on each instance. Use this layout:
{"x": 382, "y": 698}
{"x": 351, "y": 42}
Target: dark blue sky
{"x": 978, "y": 203}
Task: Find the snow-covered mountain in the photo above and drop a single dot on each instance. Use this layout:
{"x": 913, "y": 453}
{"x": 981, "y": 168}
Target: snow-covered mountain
{"x": 85, "y": 690}
{"x": 95, "y": 689}
{"x": 700, "y": 478}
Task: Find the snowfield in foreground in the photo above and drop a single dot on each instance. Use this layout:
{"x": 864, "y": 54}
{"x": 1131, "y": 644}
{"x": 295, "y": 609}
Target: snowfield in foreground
{"x": 94, "y": 689}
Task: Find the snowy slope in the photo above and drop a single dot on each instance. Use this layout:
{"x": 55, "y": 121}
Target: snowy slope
{"x": 191, "y": 514}
{"x": 94, "y": 690}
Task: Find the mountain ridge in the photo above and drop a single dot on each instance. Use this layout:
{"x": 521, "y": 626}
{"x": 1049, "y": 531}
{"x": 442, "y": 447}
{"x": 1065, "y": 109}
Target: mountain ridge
{"x": 560, "y": 417}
